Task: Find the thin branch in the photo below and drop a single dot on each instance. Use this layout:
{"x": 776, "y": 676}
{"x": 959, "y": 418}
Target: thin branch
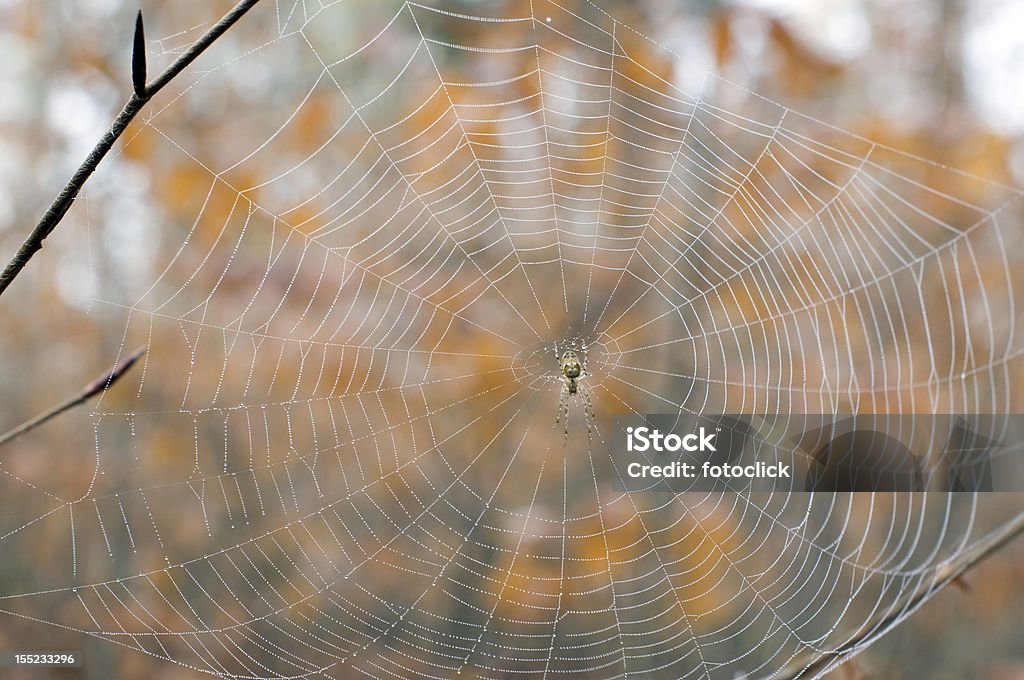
{"x": 89, "y": 391}
{"x": 141, "y": 95}
{"x": 199, "y": 46}
{"x": 952, "y": 573}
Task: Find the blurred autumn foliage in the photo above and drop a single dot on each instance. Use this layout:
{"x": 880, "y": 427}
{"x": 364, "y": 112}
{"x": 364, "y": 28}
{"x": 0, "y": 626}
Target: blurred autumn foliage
{"x": 349, "y": 375}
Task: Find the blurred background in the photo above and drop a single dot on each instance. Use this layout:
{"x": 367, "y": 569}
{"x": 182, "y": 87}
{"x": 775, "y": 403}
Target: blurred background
{"x": 938, "y": 79}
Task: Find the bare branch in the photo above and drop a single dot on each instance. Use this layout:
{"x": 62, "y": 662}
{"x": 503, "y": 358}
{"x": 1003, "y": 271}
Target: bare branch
{"x": 62, "y": 203}
{"x": 92, "y": 389}
{"x": 199, "y": 46}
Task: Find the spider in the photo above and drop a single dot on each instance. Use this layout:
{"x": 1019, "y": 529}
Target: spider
{"x": 571, "y": 369}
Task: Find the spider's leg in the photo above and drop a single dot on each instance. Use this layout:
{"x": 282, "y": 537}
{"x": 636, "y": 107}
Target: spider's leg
{"x": 565, "y": 403}
{"x": 588, "y": 410}
{"x": 563, "y": 394}
{"x": 563, "y": 406}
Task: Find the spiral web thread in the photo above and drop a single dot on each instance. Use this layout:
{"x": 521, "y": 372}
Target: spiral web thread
{"x": 341, "y": 457}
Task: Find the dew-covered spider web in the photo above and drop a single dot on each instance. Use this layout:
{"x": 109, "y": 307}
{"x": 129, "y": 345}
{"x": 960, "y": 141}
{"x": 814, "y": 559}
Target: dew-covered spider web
{"x": 340, "y": 457}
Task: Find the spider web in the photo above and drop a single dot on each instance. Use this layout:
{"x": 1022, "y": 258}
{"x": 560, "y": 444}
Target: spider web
{"x": 341, "y": 456}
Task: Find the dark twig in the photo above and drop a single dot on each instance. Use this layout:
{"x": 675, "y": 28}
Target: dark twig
{"x": 952, "y": 573}
{"x": 141, "y": 95}
{"x": 89, "y": 391}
